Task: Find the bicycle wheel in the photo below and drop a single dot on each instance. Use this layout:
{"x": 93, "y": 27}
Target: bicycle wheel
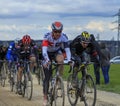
{"x": 2, "y": 82}
{"x": 11, "y": 81}
{"x": 90, "y": 92}
{"x": 3, "y": 76}
{"x": 23, "y": 84}
{"x": 29, "y": 86}
{"x": 72, "y": 91}
{"x": 40, "y": 75}
{"x": 59, "y": 95}
{"x": 51, "y": 96}
{"x": 15, "y": 82}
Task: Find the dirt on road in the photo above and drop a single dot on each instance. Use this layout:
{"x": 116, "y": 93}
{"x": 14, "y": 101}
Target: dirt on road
{"x": 8, "y": 98}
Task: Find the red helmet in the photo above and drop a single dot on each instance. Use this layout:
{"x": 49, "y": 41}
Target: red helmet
{"x": 26, "y": 39}
{"x": 57, "y": 26}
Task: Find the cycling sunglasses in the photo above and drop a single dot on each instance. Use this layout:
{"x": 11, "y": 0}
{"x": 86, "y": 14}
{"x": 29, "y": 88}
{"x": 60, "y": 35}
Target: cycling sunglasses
{"x": 55, "y": 31}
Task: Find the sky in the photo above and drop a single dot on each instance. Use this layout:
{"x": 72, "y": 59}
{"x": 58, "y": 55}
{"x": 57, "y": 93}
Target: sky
{"x": 34, "y": 17}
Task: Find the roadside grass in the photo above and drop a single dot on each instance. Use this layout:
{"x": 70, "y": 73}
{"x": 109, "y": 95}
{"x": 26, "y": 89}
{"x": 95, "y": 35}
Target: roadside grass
{"x": 114, "y": 74}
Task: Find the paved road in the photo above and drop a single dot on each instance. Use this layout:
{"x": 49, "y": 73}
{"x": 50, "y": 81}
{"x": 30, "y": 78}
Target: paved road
{"x": 8, "y": 98}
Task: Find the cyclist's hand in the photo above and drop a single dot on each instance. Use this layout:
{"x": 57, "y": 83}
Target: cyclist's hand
{"x": 46, "y": 64}
{"x": 71, "y": 63}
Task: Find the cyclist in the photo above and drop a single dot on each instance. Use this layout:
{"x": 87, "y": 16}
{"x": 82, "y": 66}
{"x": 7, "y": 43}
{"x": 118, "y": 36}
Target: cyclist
{"x": 53, "y": 44}
{"x": 27, "y": 50}
{"x": 11, "y": 55}
{"x": 81, "y": 45}
{"x": 3, "y": 51}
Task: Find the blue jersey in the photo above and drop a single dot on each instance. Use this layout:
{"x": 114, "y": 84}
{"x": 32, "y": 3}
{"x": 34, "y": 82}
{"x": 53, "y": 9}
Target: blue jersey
{"x": 11, "y": 53}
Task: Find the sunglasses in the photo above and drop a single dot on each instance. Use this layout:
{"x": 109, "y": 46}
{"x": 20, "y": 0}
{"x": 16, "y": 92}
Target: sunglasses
{"x": 85, "y": 43}
{"x": 57, "y": 31}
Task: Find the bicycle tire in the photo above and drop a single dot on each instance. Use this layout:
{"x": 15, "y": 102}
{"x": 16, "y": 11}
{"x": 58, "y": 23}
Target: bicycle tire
{"x": 3, "y": 76}
{"x": 71, "y": 91}
{"x": 38, "y": 75}
{"x": 3, "y": 82}
{"x": 15, "y": 82}
{"x": 90, "y": 92}
{"x": 51, "y": 96}
{"x": 29, "y": 86}
{"x": 11, "y": 81}
{"x": 59, "y": 92}
{"x": 23, "y": 84}
{"x": 42, "y": 76}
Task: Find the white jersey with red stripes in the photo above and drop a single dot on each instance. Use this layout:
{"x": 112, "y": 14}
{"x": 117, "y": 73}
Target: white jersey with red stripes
{"x": 51, "y": 45}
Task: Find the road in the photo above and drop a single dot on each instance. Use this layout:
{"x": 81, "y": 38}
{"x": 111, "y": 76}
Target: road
{"x": 8, "y": 98}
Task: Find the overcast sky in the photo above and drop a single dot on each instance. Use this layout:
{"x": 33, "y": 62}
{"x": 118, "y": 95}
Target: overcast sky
{"x": 34, "y": 17}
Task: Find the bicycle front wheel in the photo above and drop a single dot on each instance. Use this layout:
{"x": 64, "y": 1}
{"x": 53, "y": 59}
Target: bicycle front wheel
{"x": 90, "y": 92}
{"x": 72, "y": 92}
{"x": 40, "y": 74}
{"x": 59, "y": 95}
{"x": 29, "y": 86}
{"x": 3, "y": 76}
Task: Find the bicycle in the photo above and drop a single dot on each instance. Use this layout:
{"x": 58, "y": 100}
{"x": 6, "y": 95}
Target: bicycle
{"x": 3, "y": 72}
{"x": 13, "y": 77}
{"x": 27, "y": 81}
{"x": 83, "y": 86}
{"x": 40, "y": 72}
{"x": 56, "y": 93}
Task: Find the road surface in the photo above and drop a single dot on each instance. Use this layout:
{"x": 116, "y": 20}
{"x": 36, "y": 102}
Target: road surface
{"x": 8, "y": 98}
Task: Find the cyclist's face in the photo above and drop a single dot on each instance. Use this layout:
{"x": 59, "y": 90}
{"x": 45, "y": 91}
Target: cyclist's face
{"x": 84, "y": 44}
{"x": 56, "y": 34}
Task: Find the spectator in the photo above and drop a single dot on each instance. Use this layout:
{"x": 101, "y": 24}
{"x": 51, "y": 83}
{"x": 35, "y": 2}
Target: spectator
{"x": 96, "y": 65}
{"x": 105, "y": 64}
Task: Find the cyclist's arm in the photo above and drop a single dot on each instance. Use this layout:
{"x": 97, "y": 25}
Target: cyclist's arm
{"x": 67, "y": 47}
{"x": 44, "y": 50}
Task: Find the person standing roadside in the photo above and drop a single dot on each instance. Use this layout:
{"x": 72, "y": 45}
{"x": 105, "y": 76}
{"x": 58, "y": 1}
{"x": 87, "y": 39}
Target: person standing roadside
{"x": 105, "y": 62}
{"x": 97, "y": 65}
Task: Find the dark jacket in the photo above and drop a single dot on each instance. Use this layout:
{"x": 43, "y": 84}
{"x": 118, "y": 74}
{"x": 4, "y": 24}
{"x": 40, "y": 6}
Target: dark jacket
{"x": 105, "y": 60}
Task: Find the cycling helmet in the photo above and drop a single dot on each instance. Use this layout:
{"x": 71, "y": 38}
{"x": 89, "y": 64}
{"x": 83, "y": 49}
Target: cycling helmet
{"x": 85, "y": 36}
{"x": 57, "y": 26}
{"x": 26, "y": 40}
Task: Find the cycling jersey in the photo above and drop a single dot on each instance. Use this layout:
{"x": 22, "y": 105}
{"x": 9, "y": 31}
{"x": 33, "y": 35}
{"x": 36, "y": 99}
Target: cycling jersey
{"x": 24, "y": 52}
{"x": 77, "y": 48}
{"x": 51, "y": 45}
{"x": 11, "y": 52}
